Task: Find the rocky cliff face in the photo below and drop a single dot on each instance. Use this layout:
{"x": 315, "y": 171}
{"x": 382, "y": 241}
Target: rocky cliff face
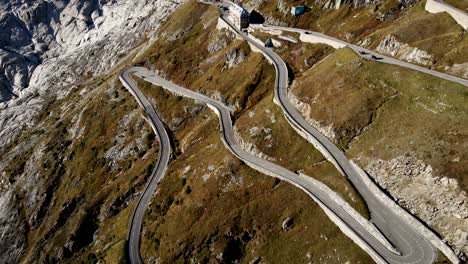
{"x": 328, "y": 4}
{"x": 438, "y": 201}
{"x": 391, "y": 46}
{"x": 46, "y": 49}
{"x": 46, "y": 46}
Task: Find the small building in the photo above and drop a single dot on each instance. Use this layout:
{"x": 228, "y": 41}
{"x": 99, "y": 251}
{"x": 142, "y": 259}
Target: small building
{"x": 239, "y": 16}
{"x": 298, "y": 10}
{"x": 269, "y": 43}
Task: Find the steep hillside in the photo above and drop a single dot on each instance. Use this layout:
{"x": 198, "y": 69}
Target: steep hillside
{"x": 92, "y": 152}
{"x": 69, "y": 183}
{"x": 406, "y": 129}
{"x": 213, "y": 208}
{"x": 205, "y": 183}
{"x": 76, "y": 151}
{"x": 434, "y": 40}
{"x": 398, "y": 28}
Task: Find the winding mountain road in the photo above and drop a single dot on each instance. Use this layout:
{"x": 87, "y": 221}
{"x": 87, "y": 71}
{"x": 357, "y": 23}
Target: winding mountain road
{"x": 366, "y": 53}
{"x": 410, "y": 245}
{"x": 164, "y": 154}
{"x": 414, "y": 249}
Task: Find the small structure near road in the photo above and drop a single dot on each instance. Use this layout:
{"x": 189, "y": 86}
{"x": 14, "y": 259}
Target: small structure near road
{"x": 298, "y": 10}
{"x": 269, "y": 43}
{"x": 239, "y": 16}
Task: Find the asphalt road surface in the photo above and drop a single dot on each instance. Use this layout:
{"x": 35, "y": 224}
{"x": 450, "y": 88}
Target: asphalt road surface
{"x": 367, "y": 54}
{"x": 413, "y": 248}
{"x": 164, "y": 154}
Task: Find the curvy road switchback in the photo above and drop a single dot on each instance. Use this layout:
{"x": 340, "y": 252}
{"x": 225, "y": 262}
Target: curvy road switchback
{"x": 164, "y": 154}
{"x": 413, "y": 247}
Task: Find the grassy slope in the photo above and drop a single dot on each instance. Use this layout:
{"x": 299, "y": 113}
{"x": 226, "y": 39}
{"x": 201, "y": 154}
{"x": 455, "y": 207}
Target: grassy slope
{"x": 291, "y": 150}
{"x": 181, "y": 227}
{"x": 385, "y": 99}
{"x": 184, "y": 59}
{"x": 211, "y": 203}
{"x": 342, "y": 91}
{"x": 301, "y": 155}
{"x": 85, "y": 197}
{"x": 460, "y": 4}
{"x": 178, "y": 225}
{"x": 77, "y": 177}
{"x": 437, "y": 34}
{"x": 434, "y": 33}
{"x": 357, "y": 21}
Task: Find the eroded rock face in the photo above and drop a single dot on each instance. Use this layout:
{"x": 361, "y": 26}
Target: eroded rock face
{"x": 46, "y": 47}
{"x": 305, "y": 110}
{"x": 390, "y": 45}
{"x": 459, "y": 69}
{"x": 234, "y": 58}
{"x": 11, "y": 243}
{"x": 436, "y": 200}
{"x": 329, "y": 4}
{"x": 37, "y": 30}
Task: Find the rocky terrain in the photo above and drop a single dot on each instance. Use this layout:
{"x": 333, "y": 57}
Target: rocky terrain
{"x": 409, "y": 180}
{"x": 390, "y": 45}
{"x": 47, "y": 49}
{"x": 75, "y": 151}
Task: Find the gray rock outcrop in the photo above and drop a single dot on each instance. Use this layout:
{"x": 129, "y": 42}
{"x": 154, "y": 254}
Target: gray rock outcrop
{"x": 436, "y": 200}
{"x": 330, "y": 4}
{"x": 234, "y": 58}
{"x": 11, "y": 243}
{"x": 46, "y": 48}
{"x": 392, "y": 46}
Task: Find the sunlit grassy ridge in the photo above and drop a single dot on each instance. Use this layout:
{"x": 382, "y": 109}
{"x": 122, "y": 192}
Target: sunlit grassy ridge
{"x": 231, "y": 208}
{"x": 210, "y": 204}
{"x": 402, "y": 110}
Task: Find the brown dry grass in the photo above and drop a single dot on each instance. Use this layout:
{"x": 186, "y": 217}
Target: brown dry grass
{"x": 403, "y": 111}
{"x": 210, "y": 203}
